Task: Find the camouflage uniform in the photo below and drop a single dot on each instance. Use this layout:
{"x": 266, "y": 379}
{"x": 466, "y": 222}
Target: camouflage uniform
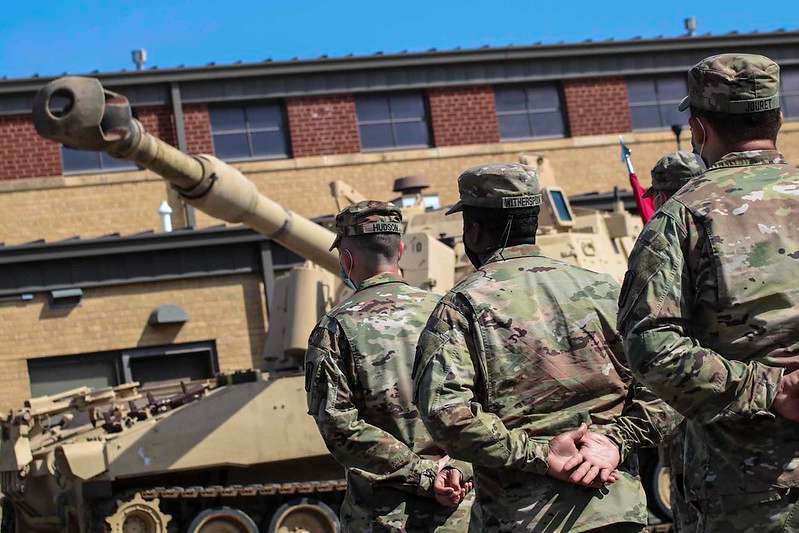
{"x": 518, "y": 352}
{"x": 710, "y": 313}
{"x": 358, "y": 378}
{"x": 669, "y": 175}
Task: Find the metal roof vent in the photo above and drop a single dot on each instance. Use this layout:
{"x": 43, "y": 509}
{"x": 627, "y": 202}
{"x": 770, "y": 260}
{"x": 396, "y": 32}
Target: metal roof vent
{"x": 690, "y": 26}
{"x": 168, "y": 314}
{"x": 139, "y": 58}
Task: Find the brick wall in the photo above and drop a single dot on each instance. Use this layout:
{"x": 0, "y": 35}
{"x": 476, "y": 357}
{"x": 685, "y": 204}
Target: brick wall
{"x": 464, "y": 115}
{"x": 595, "y": 106}
{"x": 159, "y": 121}
{"x": 228, "y": 309}
{"x": 23, "y": 153}
{"x": 198, "y": 129}
{"x": 323, "y": 125}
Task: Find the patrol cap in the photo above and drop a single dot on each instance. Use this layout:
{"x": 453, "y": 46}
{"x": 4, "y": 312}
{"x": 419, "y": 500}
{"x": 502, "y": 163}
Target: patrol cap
{"x": 501, "y": 186}
{"x": 673, "y": 171}
{"x": 368, "y": 216}
{"x": 733, "y": 83}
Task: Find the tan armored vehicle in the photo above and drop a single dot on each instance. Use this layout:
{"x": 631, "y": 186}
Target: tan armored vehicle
{"x": 239, "y": 453}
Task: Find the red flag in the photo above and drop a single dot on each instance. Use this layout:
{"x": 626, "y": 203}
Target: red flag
{"x": 646, "y": 208}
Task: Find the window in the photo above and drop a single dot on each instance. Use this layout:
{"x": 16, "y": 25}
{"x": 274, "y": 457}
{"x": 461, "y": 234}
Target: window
{"x": 789, "y": 84}
{"x": 252, "y": 131}
{"x": 654, "y": 101}
{"x": 395, "y": 120}
{"x": 80, "y": 161}
{"x": 529, "y": 111}
{"x": 148, "y": 366}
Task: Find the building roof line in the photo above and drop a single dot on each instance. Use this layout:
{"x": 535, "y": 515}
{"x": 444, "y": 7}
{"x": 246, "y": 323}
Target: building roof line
{"x": 430, "y": 58}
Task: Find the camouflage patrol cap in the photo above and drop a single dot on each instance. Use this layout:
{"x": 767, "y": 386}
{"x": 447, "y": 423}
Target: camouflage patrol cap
{"x": 673, "y": 171}
{"x": 501, "y": 186}
{"x": 368, "y": 216}
{"x": 733, "y": 83}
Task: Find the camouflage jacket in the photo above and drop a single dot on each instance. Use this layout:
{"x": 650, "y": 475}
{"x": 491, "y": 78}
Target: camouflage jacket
{"x": 515, "y": 354}
{"x": 358, "y": 379}
{"x": 710, "y": 315}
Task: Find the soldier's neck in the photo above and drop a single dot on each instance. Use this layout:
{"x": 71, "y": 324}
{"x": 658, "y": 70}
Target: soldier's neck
{"x": 744, "y": 146}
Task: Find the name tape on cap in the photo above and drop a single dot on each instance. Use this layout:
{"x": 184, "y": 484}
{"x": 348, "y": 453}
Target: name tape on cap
{"x": 513, "y": 202}
{"x": 380, "y": 227}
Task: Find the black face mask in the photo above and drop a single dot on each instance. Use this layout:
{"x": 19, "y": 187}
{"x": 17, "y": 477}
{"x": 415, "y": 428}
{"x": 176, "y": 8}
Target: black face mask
{"x": 474, "y": 258}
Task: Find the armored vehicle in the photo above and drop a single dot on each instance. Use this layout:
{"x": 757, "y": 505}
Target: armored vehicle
{"x": 237, "y": 453}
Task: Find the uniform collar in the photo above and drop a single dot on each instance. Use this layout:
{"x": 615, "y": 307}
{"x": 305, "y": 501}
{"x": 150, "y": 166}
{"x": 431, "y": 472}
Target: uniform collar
{"x": 512, "y": 252}
{"x": 380, "y": 279}
{"x": 750, "y": 158}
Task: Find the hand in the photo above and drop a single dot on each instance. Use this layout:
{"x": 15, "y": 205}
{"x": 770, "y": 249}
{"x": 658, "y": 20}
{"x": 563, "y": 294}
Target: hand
{"x": 448, "y": 488}
{"x": 563, "y": 453}
{"x": 786, "y": 403}
{"x": 600, "y": 457}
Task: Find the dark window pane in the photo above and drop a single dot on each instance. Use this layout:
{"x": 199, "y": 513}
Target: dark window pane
{"x": 376, "y": 136}
{"x": 510, "y": 99}
{"x": 789, "y": 80}
{"x": 669, "y": 114}
{"x": 514, "y": 126}
{"x": 53, "y": 376}
{"x": 77, "y": 160}
{"x": 227, "y": 119}
{"x": 112, "y": 163}
{"x": 645, "y": 117}
{"x": 790, "y": 106}
{"x": 265, "y": 116}
{"x": 548, "y": 124}
{"x": 641, "y": 91}
{"x": 543, "y": 97}
{"x": 371, "y": 107}
{"x": 671, "y": 89}
{"x": 407, "y": 105}
{"x": 271, "y": 143}
{"x": 171, "y": 367}
{"x": 411, "y": 134}
{"x": 231, "y": 146}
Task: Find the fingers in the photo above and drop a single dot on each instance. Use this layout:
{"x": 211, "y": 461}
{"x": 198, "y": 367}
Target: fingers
{"x": 580, "y": 472}
{"x": 573, "y": 461}
{"x": 454, "y": 480}
{"x": 605, "y": 474}
{"x": 589, "y": 478}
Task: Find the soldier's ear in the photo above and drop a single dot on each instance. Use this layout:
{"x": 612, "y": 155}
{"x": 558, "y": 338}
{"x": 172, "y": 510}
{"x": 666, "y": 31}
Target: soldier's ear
{"x": 401, "y": 251}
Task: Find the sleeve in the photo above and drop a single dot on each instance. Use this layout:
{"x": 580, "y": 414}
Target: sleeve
{"x": 381, "y": 458}
{"x": 444, "y": 391}
{"x": 656, "y": 306}
{"x": 645, "y": 420}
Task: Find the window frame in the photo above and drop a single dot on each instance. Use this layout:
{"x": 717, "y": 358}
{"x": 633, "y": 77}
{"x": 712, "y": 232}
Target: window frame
{"x": 794, "y": 70}
{"x": 248, "y": 131}
{"x": 657, "y": 103}
{"x": 121, "y": 359}
{"x": 425, "y": 119}
{"x": 531, "y": 112}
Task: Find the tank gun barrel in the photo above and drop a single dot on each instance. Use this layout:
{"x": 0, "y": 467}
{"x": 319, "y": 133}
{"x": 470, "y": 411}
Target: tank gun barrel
{"x": 80, "y": 113}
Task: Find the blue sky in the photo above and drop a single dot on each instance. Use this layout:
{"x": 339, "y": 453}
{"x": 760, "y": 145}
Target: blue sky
{"x": 49, "y": 37}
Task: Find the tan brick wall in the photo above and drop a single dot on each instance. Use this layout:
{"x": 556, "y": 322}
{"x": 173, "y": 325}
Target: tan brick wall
{"x": 228, "y": 309}
{"x": 56, "y": 208}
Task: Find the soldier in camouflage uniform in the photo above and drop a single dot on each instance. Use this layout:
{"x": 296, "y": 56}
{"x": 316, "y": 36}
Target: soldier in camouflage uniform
{"x": 710, "y": 305}
{"x": 669, "y": 175}
{"x": 358, "y": 379}
{"x": 519, "y": 352}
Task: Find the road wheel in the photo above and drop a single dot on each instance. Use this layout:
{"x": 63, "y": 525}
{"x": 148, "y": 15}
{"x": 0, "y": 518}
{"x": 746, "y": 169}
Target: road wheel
{"x": 304, "y": 515}
{"x": 658, "y": 490}
{"x": 222, "y": 520}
